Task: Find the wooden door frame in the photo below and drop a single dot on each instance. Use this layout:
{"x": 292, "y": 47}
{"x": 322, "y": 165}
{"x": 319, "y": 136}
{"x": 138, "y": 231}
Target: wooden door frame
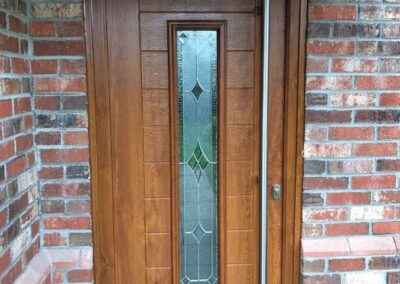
{"x": 99, "y": 135}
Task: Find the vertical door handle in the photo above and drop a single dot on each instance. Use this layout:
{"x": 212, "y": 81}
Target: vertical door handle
{"x": 276, "y": 192}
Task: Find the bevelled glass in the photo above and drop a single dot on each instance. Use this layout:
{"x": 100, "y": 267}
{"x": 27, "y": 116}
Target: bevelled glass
{"x": 197, "y": 102}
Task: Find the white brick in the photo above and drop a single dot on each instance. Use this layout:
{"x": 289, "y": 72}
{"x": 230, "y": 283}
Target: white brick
{"x": 364, "y": 277}
{"x": 368, "y": 213}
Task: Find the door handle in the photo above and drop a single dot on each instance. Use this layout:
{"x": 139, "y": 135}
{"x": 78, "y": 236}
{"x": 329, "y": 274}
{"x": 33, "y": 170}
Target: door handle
{"x": 276, "y": 192}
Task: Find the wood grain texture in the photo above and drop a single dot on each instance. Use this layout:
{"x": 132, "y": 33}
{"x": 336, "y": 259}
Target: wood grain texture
{"x": 155, "y": 70}
{"x": 157, "y": 180}
{"x": 196, "y": 6}
{"x": 127, "y": 139}
{"x": 240, "y": 103}
{"x": 275, "y": 138}
{"x": 240, "y": 29}
{"x": 158, "y": 250}
{"x": 100, "y": 143}
{"x": 240, "y": 69}
{"x": 155, "y": 107}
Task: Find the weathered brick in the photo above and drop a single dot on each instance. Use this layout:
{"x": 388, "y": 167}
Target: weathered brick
{"x": 57, "y": 10}
{"x": 346, "y": 229}
{"x": 350, "y": 264}
{"x": 319, "y": 47}
{"x": 348, "y": 30}
{"x": 317, "y": 12}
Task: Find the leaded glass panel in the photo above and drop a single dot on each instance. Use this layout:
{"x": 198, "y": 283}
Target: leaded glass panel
{"x": 197, "y": 95}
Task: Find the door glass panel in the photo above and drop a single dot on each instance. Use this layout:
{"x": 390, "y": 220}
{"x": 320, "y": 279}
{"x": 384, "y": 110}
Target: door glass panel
{"x": 197, "y": 95}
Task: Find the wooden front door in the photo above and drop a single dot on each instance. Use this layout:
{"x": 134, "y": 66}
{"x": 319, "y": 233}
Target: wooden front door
{"x": 159, "y": 134}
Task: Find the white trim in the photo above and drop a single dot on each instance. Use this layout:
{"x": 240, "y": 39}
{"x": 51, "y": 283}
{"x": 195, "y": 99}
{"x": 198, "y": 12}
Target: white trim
{"x": 264, "y": 147}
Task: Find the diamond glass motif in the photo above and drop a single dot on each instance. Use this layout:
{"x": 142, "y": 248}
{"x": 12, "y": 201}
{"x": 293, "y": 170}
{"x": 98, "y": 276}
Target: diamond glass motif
{"x": 197, "y": 90}
{"x": 198, "y": 135}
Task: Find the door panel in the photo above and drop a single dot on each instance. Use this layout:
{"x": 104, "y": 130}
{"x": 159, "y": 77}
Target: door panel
{"x": 141, "y": 142}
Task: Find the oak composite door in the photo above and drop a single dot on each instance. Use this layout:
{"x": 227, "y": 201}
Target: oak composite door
{"x": 179, "y": 116}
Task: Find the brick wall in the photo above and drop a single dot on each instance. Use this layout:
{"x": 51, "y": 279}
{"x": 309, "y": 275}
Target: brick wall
{"x": 61, "y": 137}
{"x": 19, "y": 221}
{"x": 351, "y": 212}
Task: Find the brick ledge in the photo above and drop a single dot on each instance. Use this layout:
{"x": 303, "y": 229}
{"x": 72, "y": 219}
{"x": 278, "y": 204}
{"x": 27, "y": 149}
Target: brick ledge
{"x": 352, "y": 246}
{"x": 40, "y": 268}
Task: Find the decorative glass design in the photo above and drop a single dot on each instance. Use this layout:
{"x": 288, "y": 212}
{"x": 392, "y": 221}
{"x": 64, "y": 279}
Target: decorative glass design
{"x": 197, "y": 88}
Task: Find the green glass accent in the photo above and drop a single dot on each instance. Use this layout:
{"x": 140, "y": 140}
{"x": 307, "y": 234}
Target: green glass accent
{"x": 198, "y": 155}
{"x": 197, "y": 152}
{"x": 203, "y": 163}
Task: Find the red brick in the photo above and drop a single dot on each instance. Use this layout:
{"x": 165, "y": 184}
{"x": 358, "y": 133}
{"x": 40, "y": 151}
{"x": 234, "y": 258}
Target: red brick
{"x": 354, "y": 66}
{"x": 17, "y": 25}
{"x": 329, "y": 83}
{"x": 66, "y": 190}
{"x": 47, "y": 102}
{"x": 3, "y": 219}
{"x": 390, "y": 99}
{"x": 5, "y": 65}
{"x": 48, "y": 138}
{"x": 317, "y": 12}
{"x": 77, "y": 276}
{"x": 365, "y": 182}
{"x": 386, "y": 228}
{"x": 42, "y": 29}
{"x": 31, "y": 251}
{"x": 60, "y": 84}
{"x": 10, "y": 86}
{"x": 19, "y": 65}
{"x": 71, "y": 29}
{"x": 52, "y": 48}
{"x": 387, "y": 197}
{"x": 22, "y": 105}
{"x": 346, "y": 229}
{"x": 351, "y": 133}
{"x": 346, "y": 264}
{"x": 5, "y": 260}
{"x": 317, "y": 65}
{"x": 78, "y": 206}
{"x": 64, "y": 155}
{"x": 76, "y": 138}
{"x": 24, "y": 142}
{"x": 73, "y": 66}
{"x": 350, "y": 167}
{"x": 16, "y": 166}
{"x": 44, "y": 66}
{"x": 52, "y": 206}
{"x": 66, "y": 223}
{"x": 319, "y": 47}
{"x": 51, "y": 173}
{"x": 6, "y": 108}
{"x": 8, "y": 43}
{"x": 378, "y": 83}
{"x": 54, "y": 239}
{"x": 348, "y": 198}
{"x": 375, "y": 149}
{"x": 327, "y": 116}
{"x": 317, "y": 265}
{"x": 325, "y": 183}
{"x": 13, "y": 273}
{"x": 389, "y": 132}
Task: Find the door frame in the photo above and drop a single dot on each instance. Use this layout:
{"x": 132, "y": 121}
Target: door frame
{"x": 99, "y": 135}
